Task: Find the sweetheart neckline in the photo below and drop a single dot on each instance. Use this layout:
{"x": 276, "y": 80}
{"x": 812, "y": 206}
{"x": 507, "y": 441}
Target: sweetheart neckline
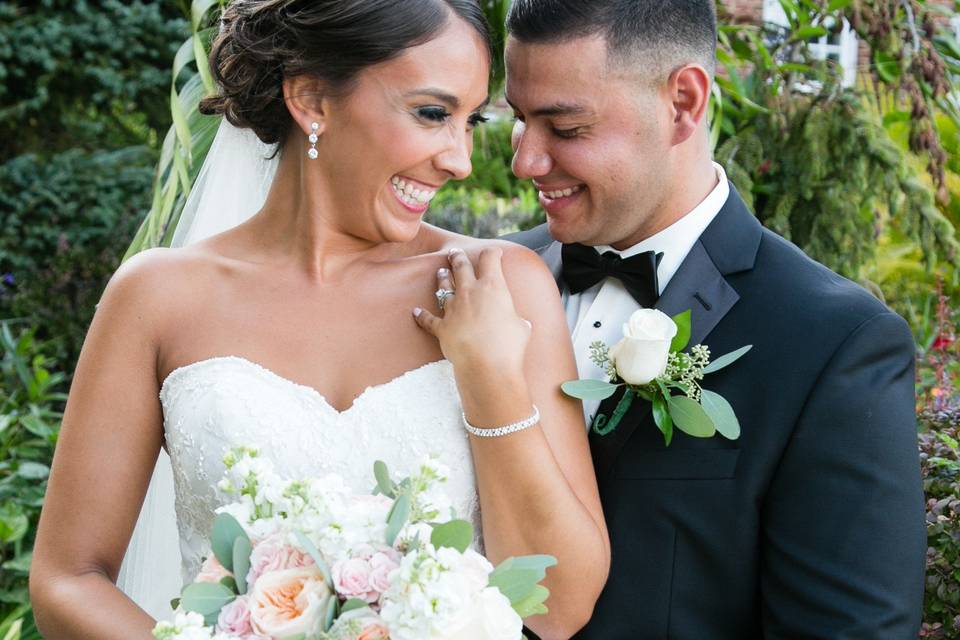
{"x": 255, "y": 366}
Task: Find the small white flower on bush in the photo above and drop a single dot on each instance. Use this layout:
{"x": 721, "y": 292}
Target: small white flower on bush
{"x": 641, "y": 356}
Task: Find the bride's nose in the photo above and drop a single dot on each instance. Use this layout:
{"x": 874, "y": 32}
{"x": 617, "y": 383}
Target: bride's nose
{"x": 454, "y": 159}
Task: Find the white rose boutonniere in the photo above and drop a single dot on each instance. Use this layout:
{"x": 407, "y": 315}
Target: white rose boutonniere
{"x": 650, "y": 362}
{"x": 641, "y": 356}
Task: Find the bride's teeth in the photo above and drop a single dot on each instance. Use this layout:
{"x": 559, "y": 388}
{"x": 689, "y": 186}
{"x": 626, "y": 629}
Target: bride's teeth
{"x": 411, "y": 194}
{"x": 567, "y": 192}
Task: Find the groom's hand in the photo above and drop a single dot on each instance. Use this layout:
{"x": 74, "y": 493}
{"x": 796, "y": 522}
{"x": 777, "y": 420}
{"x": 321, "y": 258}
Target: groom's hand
{"x": 479, "y": 328}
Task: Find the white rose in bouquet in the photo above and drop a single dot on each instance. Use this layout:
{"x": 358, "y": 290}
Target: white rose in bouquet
{"x": 495, "y": 619}
{"x": 641, "y": 356}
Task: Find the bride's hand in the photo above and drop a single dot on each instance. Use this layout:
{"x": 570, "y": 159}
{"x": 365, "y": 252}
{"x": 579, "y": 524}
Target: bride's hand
{"x": 478, "y": 328}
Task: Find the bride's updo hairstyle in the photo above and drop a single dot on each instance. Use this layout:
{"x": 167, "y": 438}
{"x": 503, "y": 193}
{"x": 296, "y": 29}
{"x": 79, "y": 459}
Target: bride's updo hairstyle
{"x": 261, "y": 42}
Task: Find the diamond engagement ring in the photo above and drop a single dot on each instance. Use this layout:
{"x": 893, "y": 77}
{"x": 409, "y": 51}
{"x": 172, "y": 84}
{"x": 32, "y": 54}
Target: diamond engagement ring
{"x": 442, "y": 295}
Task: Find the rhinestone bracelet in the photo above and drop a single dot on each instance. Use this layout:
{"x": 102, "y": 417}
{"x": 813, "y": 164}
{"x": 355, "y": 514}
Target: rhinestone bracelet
{"x": 504, "y": 430}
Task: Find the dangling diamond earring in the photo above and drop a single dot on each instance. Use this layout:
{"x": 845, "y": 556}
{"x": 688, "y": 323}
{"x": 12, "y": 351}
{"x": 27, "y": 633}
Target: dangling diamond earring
{"x": 312, "y": 152}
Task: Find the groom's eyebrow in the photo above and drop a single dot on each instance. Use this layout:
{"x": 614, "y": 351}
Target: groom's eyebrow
{"x": 559, "y": 108}
{"x": 451, "y": 100}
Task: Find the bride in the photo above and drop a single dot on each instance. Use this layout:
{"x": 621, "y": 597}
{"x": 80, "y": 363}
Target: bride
{"x": 311, "y": 330}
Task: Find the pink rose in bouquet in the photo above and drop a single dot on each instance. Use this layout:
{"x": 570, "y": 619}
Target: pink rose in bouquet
{"x": 365, "y": 576}
{"x": 212, "y": 571}
{"x": 234, "y": 619}
{"x": 275, "y": 554}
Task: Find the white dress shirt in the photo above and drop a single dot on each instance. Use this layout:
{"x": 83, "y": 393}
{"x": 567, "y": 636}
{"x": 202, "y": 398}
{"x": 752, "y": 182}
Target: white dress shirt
{"x": 599, "y": 312}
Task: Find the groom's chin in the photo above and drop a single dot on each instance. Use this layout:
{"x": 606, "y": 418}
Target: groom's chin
{"x": 564, "y": 232}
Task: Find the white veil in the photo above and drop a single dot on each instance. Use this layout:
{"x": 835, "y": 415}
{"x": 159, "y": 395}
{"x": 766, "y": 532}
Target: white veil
{"x": 232, "y": 186}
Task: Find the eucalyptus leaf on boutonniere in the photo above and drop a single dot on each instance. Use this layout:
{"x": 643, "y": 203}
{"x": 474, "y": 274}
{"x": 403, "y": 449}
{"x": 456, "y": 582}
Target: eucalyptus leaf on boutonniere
{"x": 650, "y": 363}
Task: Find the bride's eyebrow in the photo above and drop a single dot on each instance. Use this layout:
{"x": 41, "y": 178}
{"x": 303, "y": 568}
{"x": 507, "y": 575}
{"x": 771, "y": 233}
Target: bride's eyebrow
{"x": 449, "y": 99}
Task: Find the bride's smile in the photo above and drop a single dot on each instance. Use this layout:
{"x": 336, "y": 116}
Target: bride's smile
{"x": 384, "y": 150}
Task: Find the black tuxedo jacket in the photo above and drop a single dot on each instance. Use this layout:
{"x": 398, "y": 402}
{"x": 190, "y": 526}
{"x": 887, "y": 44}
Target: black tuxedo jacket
{"x": 811, "y": 525}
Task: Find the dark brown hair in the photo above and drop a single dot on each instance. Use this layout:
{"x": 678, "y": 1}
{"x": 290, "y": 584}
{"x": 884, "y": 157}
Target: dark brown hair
{"x": 261, "y": 42}
{"x": 676, "y": 31}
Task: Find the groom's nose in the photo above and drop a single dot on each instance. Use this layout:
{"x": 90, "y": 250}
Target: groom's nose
{"x": 530, "y": 156}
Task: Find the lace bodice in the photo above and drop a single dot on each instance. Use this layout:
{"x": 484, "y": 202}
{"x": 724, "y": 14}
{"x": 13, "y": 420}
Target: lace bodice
{"x": 214, "y": 405}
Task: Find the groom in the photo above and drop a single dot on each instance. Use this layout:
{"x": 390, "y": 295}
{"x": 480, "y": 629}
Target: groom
{"x": 811, "y": 524}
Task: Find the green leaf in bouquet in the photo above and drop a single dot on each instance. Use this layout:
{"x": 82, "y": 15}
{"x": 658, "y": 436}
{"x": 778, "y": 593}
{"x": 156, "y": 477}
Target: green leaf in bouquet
{"x": 517, "y": 577}
{"x": 726, "y": 360}
{"x": 311, "y": 548}
{"x": 174, "y": 603}
{"x": 230, "y": 583}
{"x": 241, "y": 562}
{"x": 331, "y": 614}
{"x": 689, "y": 417}
{"x": 456, "y": 534}
{"x": 589, "y": 389}
{"x": 226, "y": 530}
{"x": 206, "y": 598}
{"x": 353, "y": 603}
{"x": 682, "y": 320}
{"x": 722, "y": 414}
{"x": 533, "y": 605}
{"x": 386, "y": 486}
{"x": 397, "y": 517}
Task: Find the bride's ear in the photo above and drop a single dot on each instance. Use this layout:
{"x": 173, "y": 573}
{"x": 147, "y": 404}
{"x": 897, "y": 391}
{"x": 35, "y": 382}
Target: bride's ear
{"x": 305, "y": 98}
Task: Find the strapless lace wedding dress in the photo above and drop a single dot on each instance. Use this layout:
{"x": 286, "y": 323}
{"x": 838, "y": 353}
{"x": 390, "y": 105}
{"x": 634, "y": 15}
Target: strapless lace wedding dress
{"x": 214, "y": 405}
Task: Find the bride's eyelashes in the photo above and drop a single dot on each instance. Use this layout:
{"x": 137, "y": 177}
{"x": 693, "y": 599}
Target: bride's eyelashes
{"x": 440, "y": 114}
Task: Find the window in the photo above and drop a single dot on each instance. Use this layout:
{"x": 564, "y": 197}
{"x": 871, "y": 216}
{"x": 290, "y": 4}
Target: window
{"x": 841, "y": 47}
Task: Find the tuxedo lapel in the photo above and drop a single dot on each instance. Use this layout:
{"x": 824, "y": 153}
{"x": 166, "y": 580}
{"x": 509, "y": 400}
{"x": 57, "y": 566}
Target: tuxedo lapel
{"x": 551, "y": 255}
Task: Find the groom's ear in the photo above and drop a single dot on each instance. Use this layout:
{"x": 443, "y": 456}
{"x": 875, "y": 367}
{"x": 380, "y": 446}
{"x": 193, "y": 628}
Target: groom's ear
{"x": 307, "y": 102}
{"x": 689, "y": 91}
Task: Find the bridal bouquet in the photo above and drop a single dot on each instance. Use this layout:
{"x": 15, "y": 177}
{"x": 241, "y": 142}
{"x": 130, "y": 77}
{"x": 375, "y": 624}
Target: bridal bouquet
{"x": 308, "y": 559}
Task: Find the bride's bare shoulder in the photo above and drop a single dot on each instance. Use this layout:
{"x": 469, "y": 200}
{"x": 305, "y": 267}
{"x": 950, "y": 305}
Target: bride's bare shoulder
{"x": 151, "y": 279}
{"x": 519, "y": 262}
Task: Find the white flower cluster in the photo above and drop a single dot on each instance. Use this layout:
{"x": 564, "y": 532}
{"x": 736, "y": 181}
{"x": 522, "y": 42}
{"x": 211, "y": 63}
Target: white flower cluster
{"x": 187, "y": 626}
{"x": 441, "y": 593}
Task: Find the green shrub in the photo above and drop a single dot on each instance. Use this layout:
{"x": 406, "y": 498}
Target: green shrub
{"x": 90, "y": 73}
{"x": 66, "y": 223}
{"x": 31, "y": 404}
{"x": 492, "y": 201}
{"x": 938, "y": 369}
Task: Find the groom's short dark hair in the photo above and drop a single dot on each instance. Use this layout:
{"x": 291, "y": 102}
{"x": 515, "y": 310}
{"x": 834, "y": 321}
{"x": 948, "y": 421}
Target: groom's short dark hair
{"x": 668, "y": 33}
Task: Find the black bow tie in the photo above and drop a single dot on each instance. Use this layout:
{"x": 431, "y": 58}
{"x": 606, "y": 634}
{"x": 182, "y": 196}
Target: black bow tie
{"x": 583, "y": 267}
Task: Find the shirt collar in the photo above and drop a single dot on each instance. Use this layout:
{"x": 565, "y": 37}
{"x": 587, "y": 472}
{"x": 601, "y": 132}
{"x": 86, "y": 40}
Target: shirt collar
{"x": 676, "y": 241}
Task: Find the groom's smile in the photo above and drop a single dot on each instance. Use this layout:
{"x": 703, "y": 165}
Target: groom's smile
{"x": 594, "y": 140}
